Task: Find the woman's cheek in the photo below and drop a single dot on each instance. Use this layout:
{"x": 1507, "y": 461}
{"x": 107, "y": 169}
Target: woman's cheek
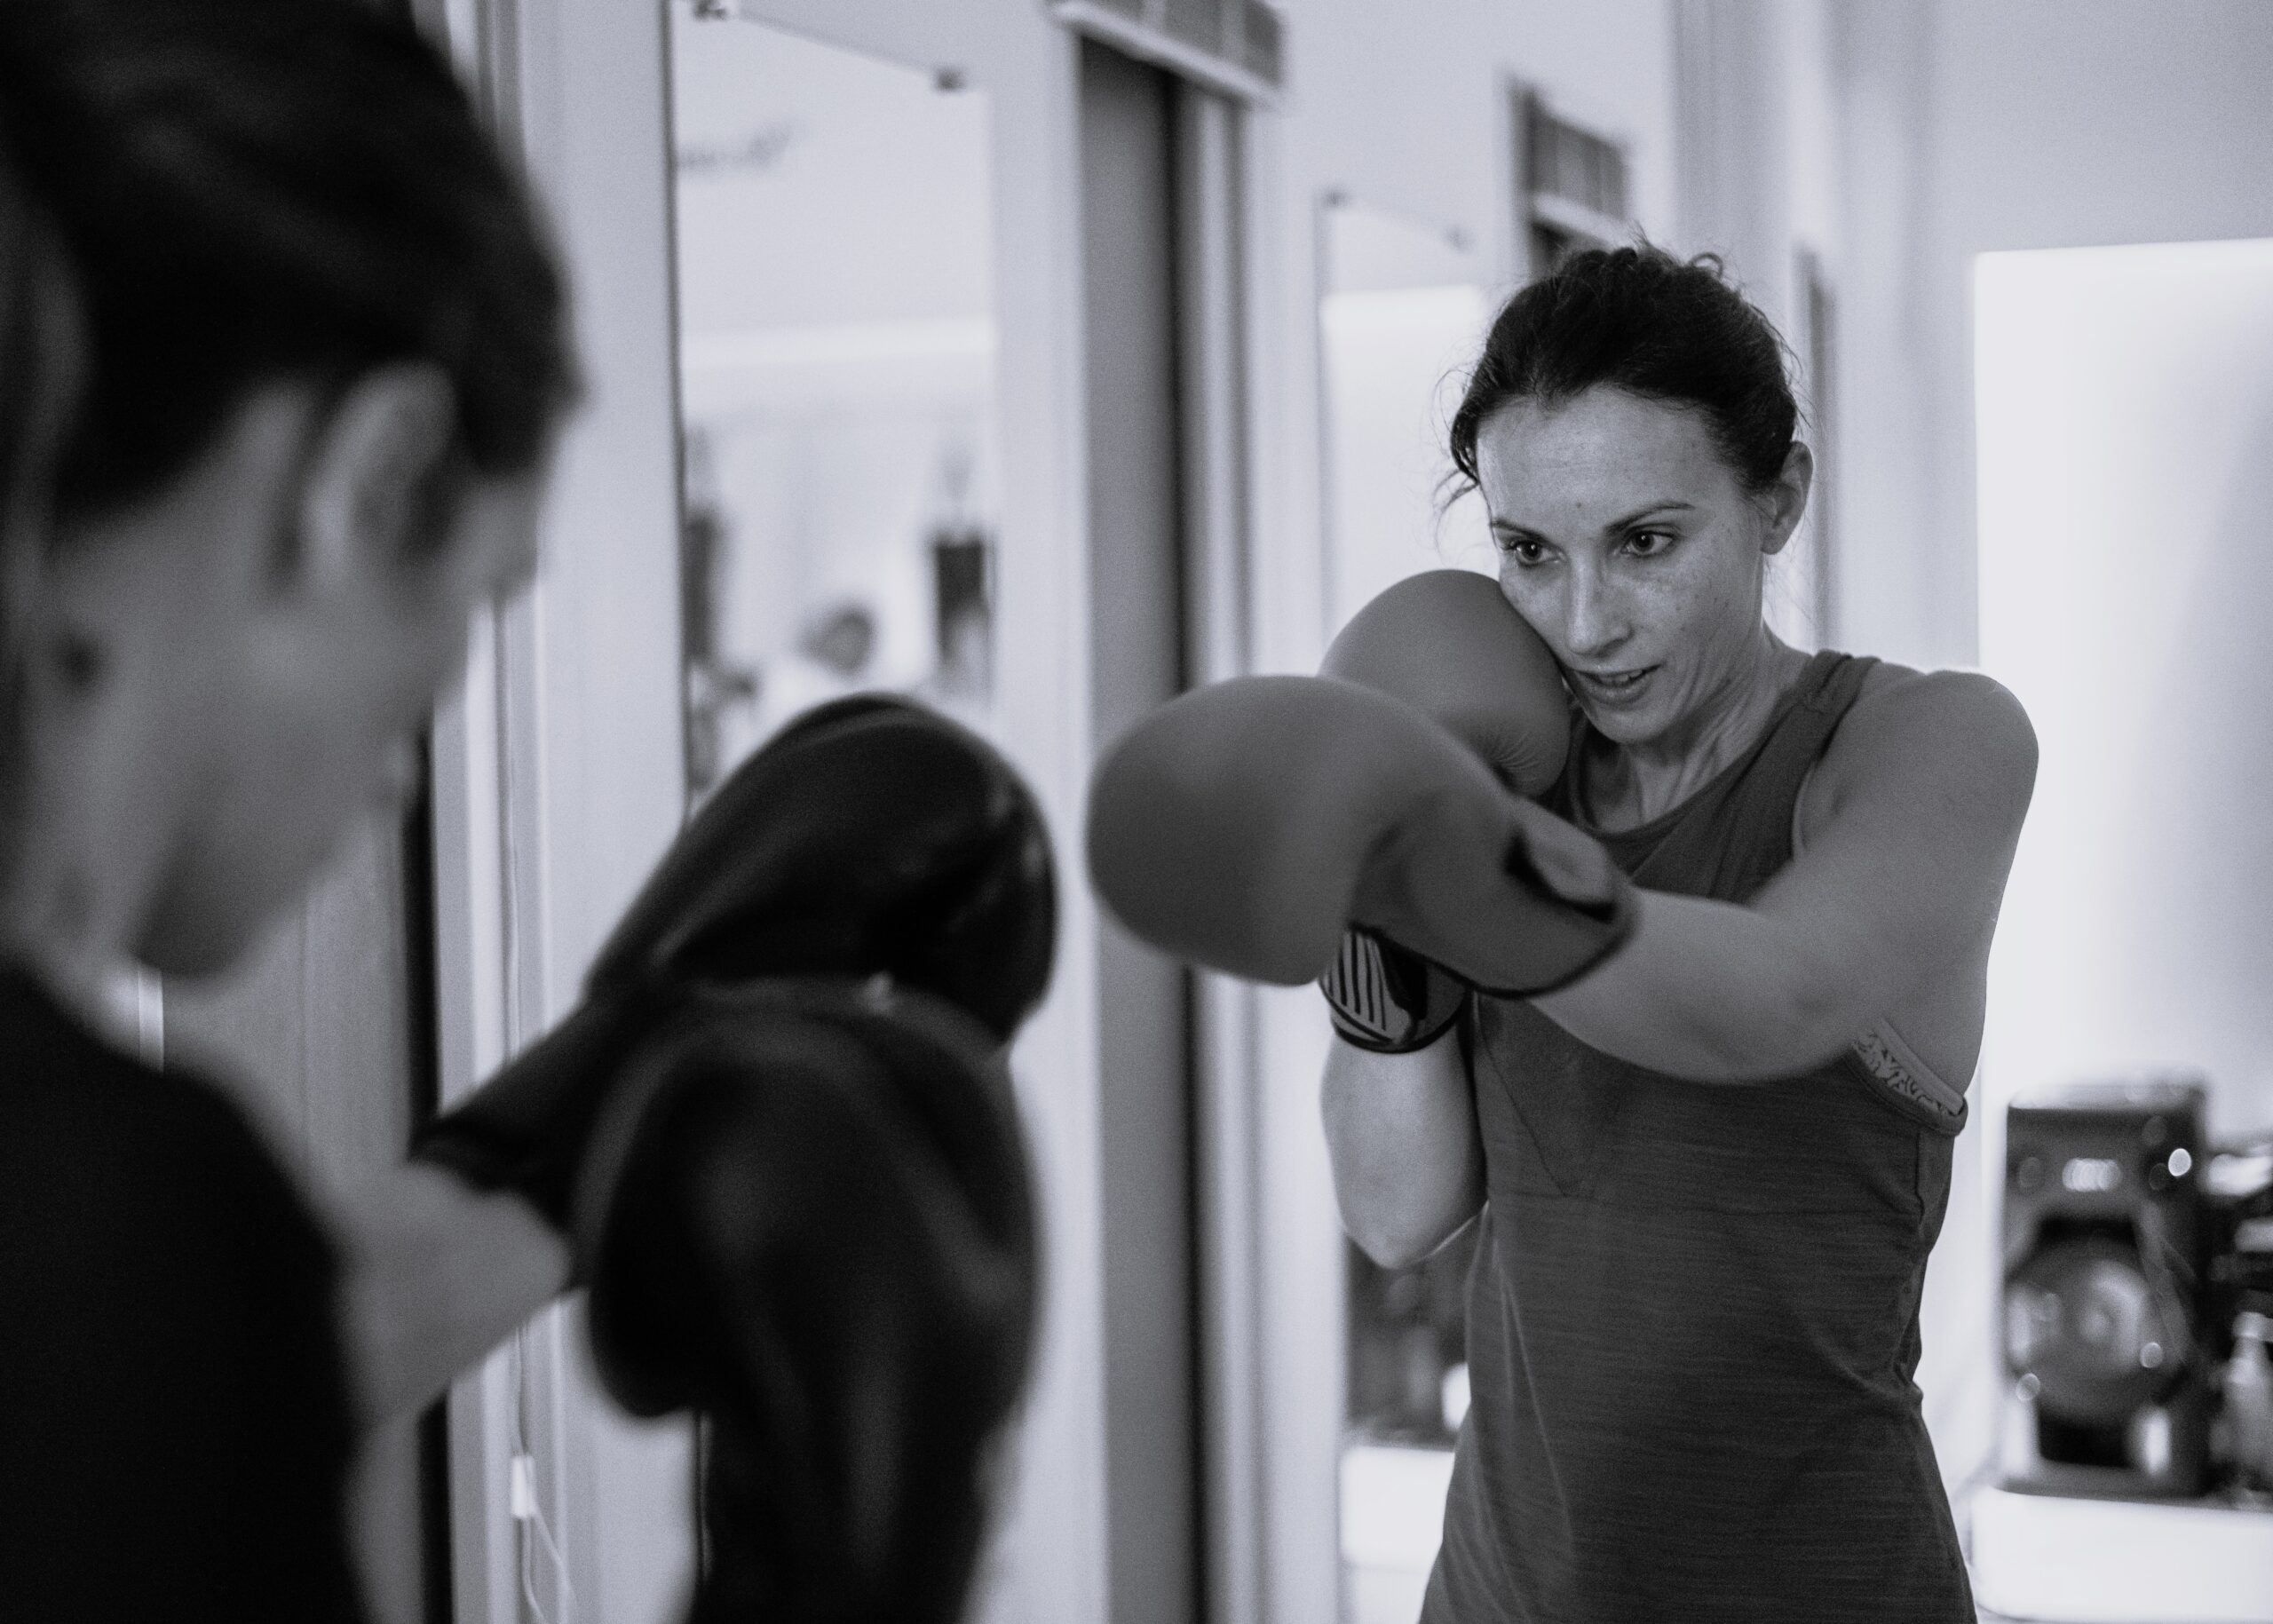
{"x": 1538, "y": 607}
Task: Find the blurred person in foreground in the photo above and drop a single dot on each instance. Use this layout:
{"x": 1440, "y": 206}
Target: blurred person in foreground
{"x": 283, "y": 355}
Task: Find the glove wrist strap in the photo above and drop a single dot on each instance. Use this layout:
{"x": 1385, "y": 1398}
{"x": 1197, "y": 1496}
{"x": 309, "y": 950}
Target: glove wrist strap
{"x": 1388, "y": 998}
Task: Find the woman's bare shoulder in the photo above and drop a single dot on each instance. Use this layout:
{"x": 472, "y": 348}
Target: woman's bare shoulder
{"x": 1961, "y": 732}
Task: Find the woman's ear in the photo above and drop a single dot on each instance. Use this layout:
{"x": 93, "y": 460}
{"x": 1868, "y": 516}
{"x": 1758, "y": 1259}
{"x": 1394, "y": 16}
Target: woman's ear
{"x": 375, "y": 468}
{"x": 1787, "y": 498}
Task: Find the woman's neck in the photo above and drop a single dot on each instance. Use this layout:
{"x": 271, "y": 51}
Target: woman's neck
{"x": 1630, "y": 785}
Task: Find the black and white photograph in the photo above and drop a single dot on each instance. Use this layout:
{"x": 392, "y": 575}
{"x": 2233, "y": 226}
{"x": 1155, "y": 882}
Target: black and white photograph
{"x": 1135, "y": 812}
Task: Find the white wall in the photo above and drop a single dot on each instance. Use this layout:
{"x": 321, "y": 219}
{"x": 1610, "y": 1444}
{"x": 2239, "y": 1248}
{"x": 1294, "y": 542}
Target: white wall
{"x": 2126, "y": 410}
{"x": 1975, "y": 125}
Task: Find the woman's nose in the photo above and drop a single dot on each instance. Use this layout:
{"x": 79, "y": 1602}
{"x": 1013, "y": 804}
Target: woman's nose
{"x": 1593, "y": 623}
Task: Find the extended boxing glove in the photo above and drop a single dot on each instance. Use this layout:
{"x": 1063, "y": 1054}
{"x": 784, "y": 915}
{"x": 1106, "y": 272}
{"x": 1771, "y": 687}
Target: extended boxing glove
{"x": 810, "y": 1218}
{"x": 870, "y": 837}
{"x": 1448, "y": 644}
{"x": 1243, "y": 826}
{"x": 779, "y": 1137}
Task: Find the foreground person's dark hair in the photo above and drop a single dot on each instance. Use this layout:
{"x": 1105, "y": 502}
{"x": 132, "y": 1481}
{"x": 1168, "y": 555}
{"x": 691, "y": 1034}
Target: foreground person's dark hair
{"x": 39, "y": 367}
{"x": 256, "y": 190}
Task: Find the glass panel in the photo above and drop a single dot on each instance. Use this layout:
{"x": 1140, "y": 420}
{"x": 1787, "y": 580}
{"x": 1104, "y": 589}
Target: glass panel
{"x": 1402, "y": 312}
{"x": 1401, "y": 316}
{"x": 835, "y": 287}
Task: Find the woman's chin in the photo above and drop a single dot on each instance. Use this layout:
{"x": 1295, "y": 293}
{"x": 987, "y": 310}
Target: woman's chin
{"x": 1623, "y": 724}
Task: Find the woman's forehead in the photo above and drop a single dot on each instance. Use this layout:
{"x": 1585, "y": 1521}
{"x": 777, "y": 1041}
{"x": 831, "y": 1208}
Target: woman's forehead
{"x": 1599, "y": 454}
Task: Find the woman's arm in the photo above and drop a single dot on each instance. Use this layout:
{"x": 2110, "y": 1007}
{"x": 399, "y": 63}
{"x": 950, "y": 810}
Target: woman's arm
{"x": 433, "y": 1274}
{"x": 1400, "y": 1130}
{"x": 1915, "y": 812}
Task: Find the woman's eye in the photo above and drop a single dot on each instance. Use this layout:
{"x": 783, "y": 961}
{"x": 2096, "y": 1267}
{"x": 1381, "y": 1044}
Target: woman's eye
{"x": 1649, "y": 543}
{"x": 1524, "y": 552}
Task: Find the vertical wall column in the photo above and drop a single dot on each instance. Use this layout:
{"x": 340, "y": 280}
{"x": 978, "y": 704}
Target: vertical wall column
{"x": 1168, "y": 430}
{"x": 1731, "y": 157}
{"x": 1138, "y": 629}
{"x": 1211, "y": 279}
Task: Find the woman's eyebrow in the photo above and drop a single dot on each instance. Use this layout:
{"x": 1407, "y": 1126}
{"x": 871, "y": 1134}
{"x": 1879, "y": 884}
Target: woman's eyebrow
{"x": 1508, "y": 527}
{"x": 1651, "y": 511}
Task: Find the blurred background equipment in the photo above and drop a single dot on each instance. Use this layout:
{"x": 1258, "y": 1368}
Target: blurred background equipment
{"x": 2137, "y": 1442}
{"x": 2109, "y": 1383}
{"x": 2238, "y": 1192}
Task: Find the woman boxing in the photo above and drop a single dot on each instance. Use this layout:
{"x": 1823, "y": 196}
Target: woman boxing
{"x": 1710, "y": 1170}
{"x": 1736, "y": 957}
{"x": 280, "y": 377}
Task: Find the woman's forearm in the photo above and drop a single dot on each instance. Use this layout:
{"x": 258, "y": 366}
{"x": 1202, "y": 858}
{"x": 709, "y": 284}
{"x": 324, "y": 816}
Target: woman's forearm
{"x": 1408, "y": 1166}
{"x": 433, "y": 1274}
{"x": 1714, "y": 992}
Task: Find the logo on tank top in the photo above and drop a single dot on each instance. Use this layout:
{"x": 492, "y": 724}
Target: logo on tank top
{"x": 1890, "y": 1062}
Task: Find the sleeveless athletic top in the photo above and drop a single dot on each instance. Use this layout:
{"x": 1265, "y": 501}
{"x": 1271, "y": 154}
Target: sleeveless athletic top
{"x": 1692, "y": 1318}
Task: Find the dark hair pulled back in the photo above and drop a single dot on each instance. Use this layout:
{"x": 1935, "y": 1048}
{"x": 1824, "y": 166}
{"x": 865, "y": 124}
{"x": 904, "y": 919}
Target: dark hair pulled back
{"x": 256, "y": 191}
{"x": 1637, "y": 319}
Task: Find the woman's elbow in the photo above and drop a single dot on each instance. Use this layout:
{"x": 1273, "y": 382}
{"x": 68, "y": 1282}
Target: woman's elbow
{"x": 1388, "y": 1248}
{"x": 1397, "y": 1240}
{"x": 1812, "y": 1020}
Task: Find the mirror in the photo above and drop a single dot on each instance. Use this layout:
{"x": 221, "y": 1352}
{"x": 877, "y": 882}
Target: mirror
{"x": 1402, "y": 310}
{"x": 837, "y": 349}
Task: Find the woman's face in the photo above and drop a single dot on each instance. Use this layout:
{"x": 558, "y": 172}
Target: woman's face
{"x": 1632, "y": 548}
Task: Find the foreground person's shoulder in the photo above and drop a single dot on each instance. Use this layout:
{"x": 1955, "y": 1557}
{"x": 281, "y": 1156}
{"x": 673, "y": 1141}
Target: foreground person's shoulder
{"x": 110, "y": 1170}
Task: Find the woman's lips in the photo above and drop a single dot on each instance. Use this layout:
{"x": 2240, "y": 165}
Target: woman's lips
{"x": 1614, "y": 688}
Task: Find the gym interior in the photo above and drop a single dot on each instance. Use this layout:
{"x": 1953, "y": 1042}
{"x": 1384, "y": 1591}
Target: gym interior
{"x": 1044, "y": 359}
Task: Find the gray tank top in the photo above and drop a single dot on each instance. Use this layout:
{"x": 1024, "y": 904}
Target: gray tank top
{"x": 1692, "y": 1318}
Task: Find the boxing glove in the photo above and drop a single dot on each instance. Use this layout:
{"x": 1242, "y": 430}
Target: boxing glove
{"x": 810, "y": 1218}
{"x": 802, "y": 1206}
{"x": 1448, "y": 644}
{"x": 1243, "y": 826}
{"x": 871, "y": 837}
